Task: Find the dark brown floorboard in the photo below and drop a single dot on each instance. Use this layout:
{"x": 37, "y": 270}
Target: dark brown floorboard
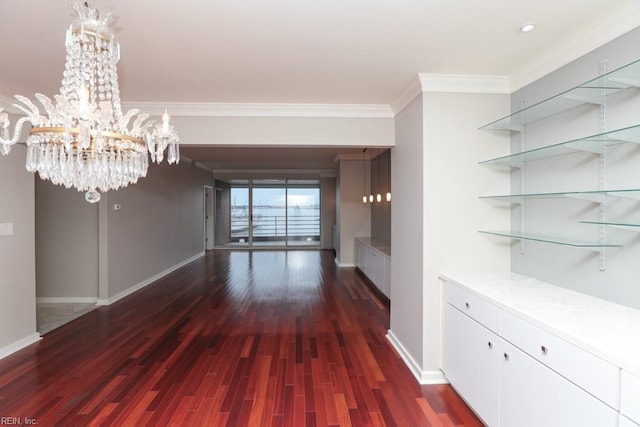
{"x": 264, "y": 338}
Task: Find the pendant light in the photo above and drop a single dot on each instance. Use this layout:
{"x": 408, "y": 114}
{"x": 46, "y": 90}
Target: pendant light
{"x": 378, "y": 196}
{"x": 389, "y": 178}
{"x": 364, "y": 177}
{"x": 371, "y": 196}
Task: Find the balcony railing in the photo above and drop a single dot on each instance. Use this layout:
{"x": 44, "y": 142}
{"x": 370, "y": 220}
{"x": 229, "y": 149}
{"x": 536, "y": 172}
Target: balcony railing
{"x": 273, "y": 226}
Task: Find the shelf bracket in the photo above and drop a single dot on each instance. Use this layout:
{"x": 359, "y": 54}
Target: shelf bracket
{"x": 603, "y": 166}
{"x": 523, "y": 171}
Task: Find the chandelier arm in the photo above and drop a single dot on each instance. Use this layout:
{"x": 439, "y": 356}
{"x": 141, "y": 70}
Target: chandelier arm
{"x": 17, "y": 130}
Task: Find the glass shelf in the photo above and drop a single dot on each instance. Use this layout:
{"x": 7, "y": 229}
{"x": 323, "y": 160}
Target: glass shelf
{"x": 573, "y": 244}
{"x": 591, "y": 196}
{"x": 593, "y": 144}
{"x": 624, "y": 225}
{"x": 587, "y": 93}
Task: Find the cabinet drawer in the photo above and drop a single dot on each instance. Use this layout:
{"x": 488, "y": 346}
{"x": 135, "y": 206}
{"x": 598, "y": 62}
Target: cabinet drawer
{"x": 478, "y": 309}
{"x": 589, "y": 372}
{"x": 630, "y": 396}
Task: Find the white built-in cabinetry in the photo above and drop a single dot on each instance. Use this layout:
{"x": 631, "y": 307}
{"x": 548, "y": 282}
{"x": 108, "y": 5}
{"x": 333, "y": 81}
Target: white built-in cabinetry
{"x": 630, "y": 400}
{"x": 525, "y": 353}
{"x": 373, "y": 258}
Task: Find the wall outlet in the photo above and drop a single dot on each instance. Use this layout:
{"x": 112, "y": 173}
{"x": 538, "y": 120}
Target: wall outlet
{"x": 6, "y": 229}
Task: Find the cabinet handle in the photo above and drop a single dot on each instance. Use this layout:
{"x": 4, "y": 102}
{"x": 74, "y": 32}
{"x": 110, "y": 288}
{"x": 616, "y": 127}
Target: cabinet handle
{"x": 544, "y": 349}
{"x": 490, "y": 344}
{"x": 506, "y": 356}
{"x": 466, "y": 304}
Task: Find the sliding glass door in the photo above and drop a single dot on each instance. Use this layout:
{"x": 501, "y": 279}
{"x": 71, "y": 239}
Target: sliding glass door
{"x": 303, "y": 213}
{"x": 269, "y": 209}
{"x": 267, "y": 213}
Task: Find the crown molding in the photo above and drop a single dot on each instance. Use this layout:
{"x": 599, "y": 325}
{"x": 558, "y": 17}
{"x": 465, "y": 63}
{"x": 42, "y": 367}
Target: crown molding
{"x": 464, "y": 83}
{"x": 203, "y": 109}
{"x": 220, "y": 173}
{"x": 451, "y": 83}
{"x": 608, "y": 27}
{"x": 410, "y": 93}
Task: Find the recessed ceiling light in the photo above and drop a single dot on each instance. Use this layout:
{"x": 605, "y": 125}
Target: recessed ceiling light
{"x": 528, "y": 26}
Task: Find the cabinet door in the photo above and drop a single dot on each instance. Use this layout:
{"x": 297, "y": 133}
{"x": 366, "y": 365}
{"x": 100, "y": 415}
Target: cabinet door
{"x": 630, "y": 396}
{"x": 378, "y": 274}
{"x": 471, "y": 363}
{"x": 358, "y": 254}
{"x": 386, "y": 287}
{"x": 370, "y": 259}
{"x": 532, "y": 395}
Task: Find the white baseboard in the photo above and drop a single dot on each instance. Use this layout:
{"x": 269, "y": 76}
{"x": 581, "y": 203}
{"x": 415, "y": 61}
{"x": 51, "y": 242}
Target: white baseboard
{"x": 67, "y": 300}
{"x": 147, "y": 282}
{"x": 343, "y": 264}
{"x": 19, "y": 345}
{"x": 423, "y": 377}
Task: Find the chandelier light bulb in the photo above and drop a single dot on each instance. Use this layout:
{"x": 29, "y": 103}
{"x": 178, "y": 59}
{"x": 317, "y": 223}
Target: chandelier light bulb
{"x": 388, "y": 196}
{"x": 165, "y": 122}
{"x": 83, "y": 100}
{"x": 371, "y": 198}
{"x": 364, "y": 199}
{"x": 378, "y": 197}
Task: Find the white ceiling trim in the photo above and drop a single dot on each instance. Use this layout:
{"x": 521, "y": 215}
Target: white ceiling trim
{"x": 252, "y": 172}
{"x": 464, "y": 83}
{"x": 618, "y": 22}
{"x": 190, "y": 109}
{"x": 410, "y": 93}
{"x": 451, "y": 83}
{"x": 195, "y": 109}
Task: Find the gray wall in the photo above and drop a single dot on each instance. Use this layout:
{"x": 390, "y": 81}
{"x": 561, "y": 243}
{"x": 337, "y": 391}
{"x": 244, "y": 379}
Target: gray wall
{"x": 572, "y": 268}
{"x": 66, "y": 245}
{"x": 436, "y": 213}
{"x": 223, "y": 212}
{"x": 328, "y": 210}
{"x": 160, "y": 225}
{"x": 381, "y": 212}
{"x": 353, "y": 218}
{"x": 17, "y": 254}
{"x": 407, "y": 171}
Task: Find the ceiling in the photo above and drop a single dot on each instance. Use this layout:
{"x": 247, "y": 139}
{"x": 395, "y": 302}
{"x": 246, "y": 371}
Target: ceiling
{"x": 305, "y": 51}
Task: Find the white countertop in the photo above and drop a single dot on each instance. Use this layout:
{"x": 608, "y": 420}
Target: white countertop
{"x": 608, "y": 330}
{"x": 375, "y": 244}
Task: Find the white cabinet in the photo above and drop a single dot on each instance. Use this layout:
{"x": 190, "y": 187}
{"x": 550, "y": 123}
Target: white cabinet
{"x": 372, "y": 258}
{"x": 515, "y": 374}
{"x": 630, "y": 396}
{"x": 386, "y": 283}
{"x": 532, "y": 395}
{"x": 596, "y": 376}
{"x": 471, "y": 362}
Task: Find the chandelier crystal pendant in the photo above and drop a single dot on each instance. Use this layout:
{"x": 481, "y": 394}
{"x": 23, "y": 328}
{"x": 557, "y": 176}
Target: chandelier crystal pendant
{"x": 84, "y": 140}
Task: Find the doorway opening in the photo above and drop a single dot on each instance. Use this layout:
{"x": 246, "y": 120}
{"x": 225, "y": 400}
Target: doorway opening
{"x": 267, "y": 213}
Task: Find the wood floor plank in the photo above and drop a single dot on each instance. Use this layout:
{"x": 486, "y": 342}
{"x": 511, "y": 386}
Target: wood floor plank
{"x": 263, "y": 338}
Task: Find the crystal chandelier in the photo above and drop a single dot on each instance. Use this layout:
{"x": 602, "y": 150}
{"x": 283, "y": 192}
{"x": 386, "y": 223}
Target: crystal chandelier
{"x": 84, "y": 140}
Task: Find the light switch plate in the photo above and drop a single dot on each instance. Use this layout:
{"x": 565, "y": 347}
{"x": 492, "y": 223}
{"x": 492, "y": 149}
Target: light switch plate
{"x": 6, "y": 229}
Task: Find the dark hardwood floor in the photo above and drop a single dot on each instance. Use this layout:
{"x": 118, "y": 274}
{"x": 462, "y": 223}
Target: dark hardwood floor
{"x": 263, "y": 338}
